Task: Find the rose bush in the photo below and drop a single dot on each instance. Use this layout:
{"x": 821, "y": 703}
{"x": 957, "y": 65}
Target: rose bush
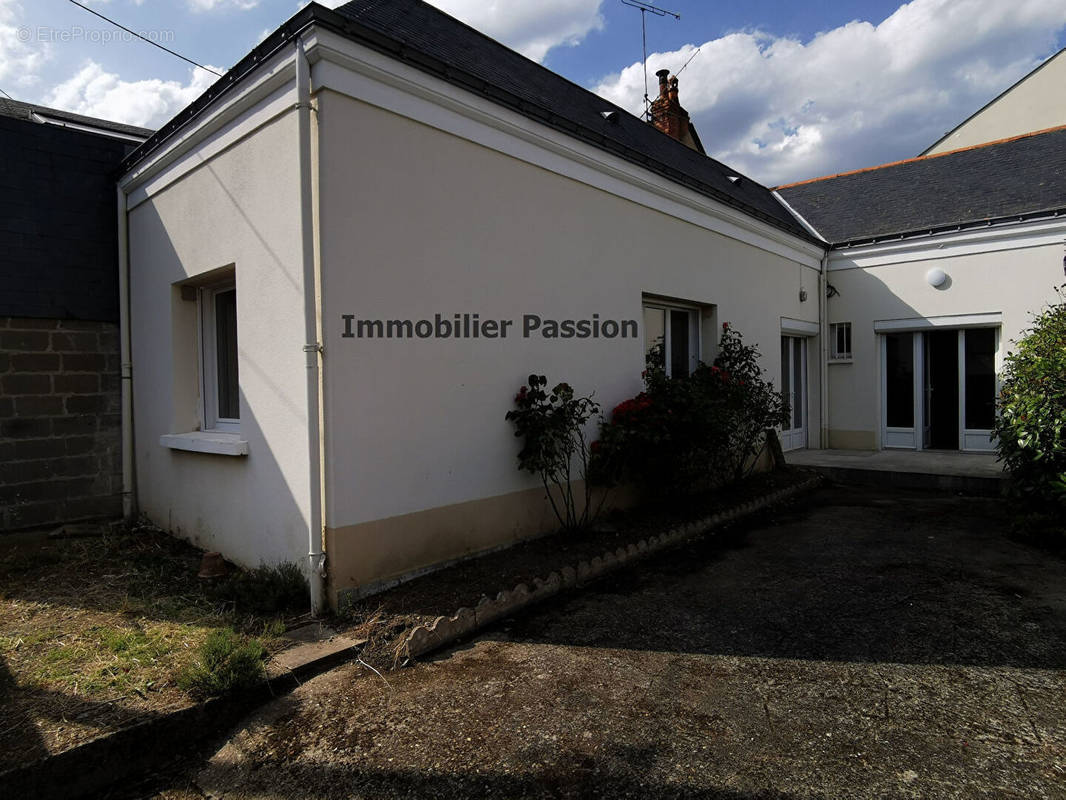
{"x": 684, "y": 433}
{"x": 552, "y": 427}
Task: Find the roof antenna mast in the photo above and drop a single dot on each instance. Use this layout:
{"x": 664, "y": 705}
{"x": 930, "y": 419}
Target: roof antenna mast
{"x": 645, "y": 9}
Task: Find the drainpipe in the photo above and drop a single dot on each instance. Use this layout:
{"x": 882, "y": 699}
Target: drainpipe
{"x": 316, "y": 558}
{"x": 129, "y": 499}
{"x": 823, "y": 324}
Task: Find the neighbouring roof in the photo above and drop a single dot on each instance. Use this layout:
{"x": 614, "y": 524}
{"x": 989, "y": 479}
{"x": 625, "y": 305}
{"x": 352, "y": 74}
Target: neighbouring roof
{"x": 16, "y": 109}
{"x": 429, "y": 40}
{"x": 1020, "y": 177}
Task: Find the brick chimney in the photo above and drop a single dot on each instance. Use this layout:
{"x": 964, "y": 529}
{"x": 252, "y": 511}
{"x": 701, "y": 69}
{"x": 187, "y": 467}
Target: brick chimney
{"x": 668, "y": 116}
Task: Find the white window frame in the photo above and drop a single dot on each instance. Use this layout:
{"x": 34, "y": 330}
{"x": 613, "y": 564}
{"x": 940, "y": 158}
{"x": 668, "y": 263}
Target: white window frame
{"x": 694, "y": 320}
{"x": 835, "y": 354}
{"x": 208, "y": 345}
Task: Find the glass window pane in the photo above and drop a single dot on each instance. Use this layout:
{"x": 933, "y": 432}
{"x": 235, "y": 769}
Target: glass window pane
{"x": 786, "y": 373}
{"x": 655, "y": 337}
{"x": 797, "y": 383}
{"x": 980, "y": 378}
{"x": 679, "y": 343}
{"x": 899, "y": 380}
{"x": 226, "y": 349}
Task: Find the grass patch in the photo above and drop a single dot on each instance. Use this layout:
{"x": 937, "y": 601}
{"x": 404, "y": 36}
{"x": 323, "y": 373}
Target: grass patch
{"x": 267, "y": 589}
{"x": 97, "y": 632}
{"x": 228, "y": 662}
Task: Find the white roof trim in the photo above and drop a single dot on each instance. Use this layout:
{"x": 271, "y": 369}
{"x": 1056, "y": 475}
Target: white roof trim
{"x": 45, "y": 119}
{"x": 992, "y": 238}
{"x": 798, "y": 327}
{"x": 989, "y": 319}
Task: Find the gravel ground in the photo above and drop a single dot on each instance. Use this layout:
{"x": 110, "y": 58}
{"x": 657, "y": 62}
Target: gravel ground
{"x": 858, "y": 644}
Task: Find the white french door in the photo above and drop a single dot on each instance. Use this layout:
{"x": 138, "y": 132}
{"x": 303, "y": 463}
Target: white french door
{"x": 938, "y": 389}
{"x": 794, "y": 387}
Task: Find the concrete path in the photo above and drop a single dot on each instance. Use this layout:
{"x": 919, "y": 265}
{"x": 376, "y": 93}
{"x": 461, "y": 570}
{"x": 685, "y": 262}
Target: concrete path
{"x": 862, "y": 644}
{"x": 936, "y": 462}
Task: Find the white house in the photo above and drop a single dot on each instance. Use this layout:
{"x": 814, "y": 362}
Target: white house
{"x": 935, "y": 265}
{"x": 340, "y": 263}
{"x": 347, "y": 255}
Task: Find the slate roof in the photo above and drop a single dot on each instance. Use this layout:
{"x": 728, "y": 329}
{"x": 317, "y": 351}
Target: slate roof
{"x": 1024, "y": 176}
{"x": 16, "y": 109}
{"x": 429, "y": 40}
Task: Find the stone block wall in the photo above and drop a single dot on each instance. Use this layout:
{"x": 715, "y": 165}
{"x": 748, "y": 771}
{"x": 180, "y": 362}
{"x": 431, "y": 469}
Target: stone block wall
{"x": 60, "y": 422}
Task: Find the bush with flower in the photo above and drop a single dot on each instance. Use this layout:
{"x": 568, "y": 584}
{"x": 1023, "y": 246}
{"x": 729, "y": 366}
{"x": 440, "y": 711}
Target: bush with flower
{"x": 552, "y": 426}
{"x": 685, "y": 433}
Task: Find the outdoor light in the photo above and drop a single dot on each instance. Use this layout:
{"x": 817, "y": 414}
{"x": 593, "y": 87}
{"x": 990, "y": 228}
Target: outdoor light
{"x": 936, "y": 277}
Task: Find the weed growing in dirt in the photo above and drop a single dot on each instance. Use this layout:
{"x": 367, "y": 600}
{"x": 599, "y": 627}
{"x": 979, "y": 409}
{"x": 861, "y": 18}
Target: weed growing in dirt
{"x": 228, "y": 662}
{"x": 267, "y": 589}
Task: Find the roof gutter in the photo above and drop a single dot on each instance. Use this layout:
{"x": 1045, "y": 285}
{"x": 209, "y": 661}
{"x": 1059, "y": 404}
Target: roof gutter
{"x": 944, "y": 230}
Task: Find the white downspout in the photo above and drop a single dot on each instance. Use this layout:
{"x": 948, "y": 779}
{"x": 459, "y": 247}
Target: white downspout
{"x": 129, "y": 498}
{"x": 823, "y": 323}
{"x": 313, "y": 348}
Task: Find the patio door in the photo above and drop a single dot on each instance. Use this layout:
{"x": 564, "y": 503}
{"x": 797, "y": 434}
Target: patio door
{"x": 938, "y": 389}
{"x": 794, "y": 387}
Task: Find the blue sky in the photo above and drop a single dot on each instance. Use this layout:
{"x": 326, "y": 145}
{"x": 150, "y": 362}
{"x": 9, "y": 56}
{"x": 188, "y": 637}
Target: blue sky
{"x": 781, "y": 90}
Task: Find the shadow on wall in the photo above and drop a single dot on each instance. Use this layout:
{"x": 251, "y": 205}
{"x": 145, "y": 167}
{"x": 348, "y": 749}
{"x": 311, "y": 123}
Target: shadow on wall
{"x": 857, "y": 403}
{"x": 243, "y": 506}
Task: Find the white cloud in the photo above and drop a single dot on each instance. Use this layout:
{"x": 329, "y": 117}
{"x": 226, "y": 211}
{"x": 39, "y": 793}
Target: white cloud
{"x": 860, "y": 94}
{"x": 148, "y": 103}
{"x": 531, "y": 28}
{"x": 219, "y": 5}
{"x": 22, "y": 54}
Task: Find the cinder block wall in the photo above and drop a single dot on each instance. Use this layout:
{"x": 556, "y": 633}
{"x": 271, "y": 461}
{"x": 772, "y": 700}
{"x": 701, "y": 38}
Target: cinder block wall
{"x": 60, "y": 422}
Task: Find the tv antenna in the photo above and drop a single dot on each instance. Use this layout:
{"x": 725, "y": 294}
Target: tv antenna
{"x": 676, "y": 74}
{"x": 645, "y": 9}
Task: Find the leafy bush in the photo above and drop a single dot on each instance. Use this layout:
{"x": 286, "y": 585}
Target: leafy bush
{"x": 1031, "y": 424}
{"x": 267, "y": 589}
{"x": 228, "y": 662}
{"x": 552, "y": 426}
{"x": 684, "y": 433}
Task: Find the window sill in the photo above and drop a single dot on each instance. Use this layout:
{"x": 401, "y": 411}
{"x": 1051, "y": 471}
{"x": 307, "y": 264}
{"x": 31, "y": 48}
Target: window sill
{"x": 839, "y": 361}
{"x": 222, "y": 444}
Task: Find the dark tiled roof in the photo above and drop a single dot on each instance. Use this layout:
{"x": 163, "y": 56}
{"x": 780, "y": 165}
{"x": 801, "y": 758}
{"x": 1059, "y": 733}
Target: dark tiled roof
{"x": 16, "y": 109}
{"x": 1019, "y": 177}
{"x": 429, "y": 40}
{"x": 475, "y": 61}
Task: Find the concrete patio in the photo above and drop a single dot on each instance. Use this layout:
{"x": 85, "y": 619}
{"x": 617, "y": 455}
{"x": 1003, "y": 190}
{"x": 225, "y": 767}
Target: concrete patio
{"x": 948, "y": 470}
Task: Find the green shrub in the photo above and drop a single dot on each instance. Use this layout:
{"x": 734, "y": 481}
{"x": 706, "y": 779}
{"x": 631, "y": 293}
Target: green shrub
{"x": 228, "y": 662}
{"x": 267, "y": 589}
{"x": 683, "y": 434}
{"x": 1031, "y": 424}
{"x": 552, "y": 427}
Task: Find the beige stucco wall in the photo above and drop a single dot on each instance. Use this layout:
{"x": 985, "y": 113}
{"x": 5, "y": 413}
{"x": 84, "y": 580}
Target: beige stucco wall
{"x": 1034, "y": 104}
{"x": 238, "y": 208}
{"x": 1013, "y": 279}
{"x": 415, "y": 221}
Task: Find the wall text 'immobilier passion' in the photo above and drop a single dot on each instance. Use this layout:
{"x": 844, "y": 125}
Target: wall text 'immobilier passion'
{"x": 472, "y": 326}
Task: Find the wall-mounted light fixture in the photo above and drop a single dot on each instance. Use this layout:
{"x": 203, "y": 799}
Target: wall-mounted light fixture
{"x": 803, "y": 295}
{"x": 936, "y": 277}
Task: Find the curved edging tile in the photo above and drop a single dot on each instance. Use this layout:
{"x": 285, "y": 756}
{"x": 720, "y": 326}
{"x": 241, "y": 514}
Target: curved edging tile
{"x": 445, "y": 630}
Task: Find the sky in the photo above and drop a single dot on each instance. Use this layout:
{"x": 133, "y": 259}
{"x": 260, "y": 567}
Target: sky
{"x": 780, "y": 90}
